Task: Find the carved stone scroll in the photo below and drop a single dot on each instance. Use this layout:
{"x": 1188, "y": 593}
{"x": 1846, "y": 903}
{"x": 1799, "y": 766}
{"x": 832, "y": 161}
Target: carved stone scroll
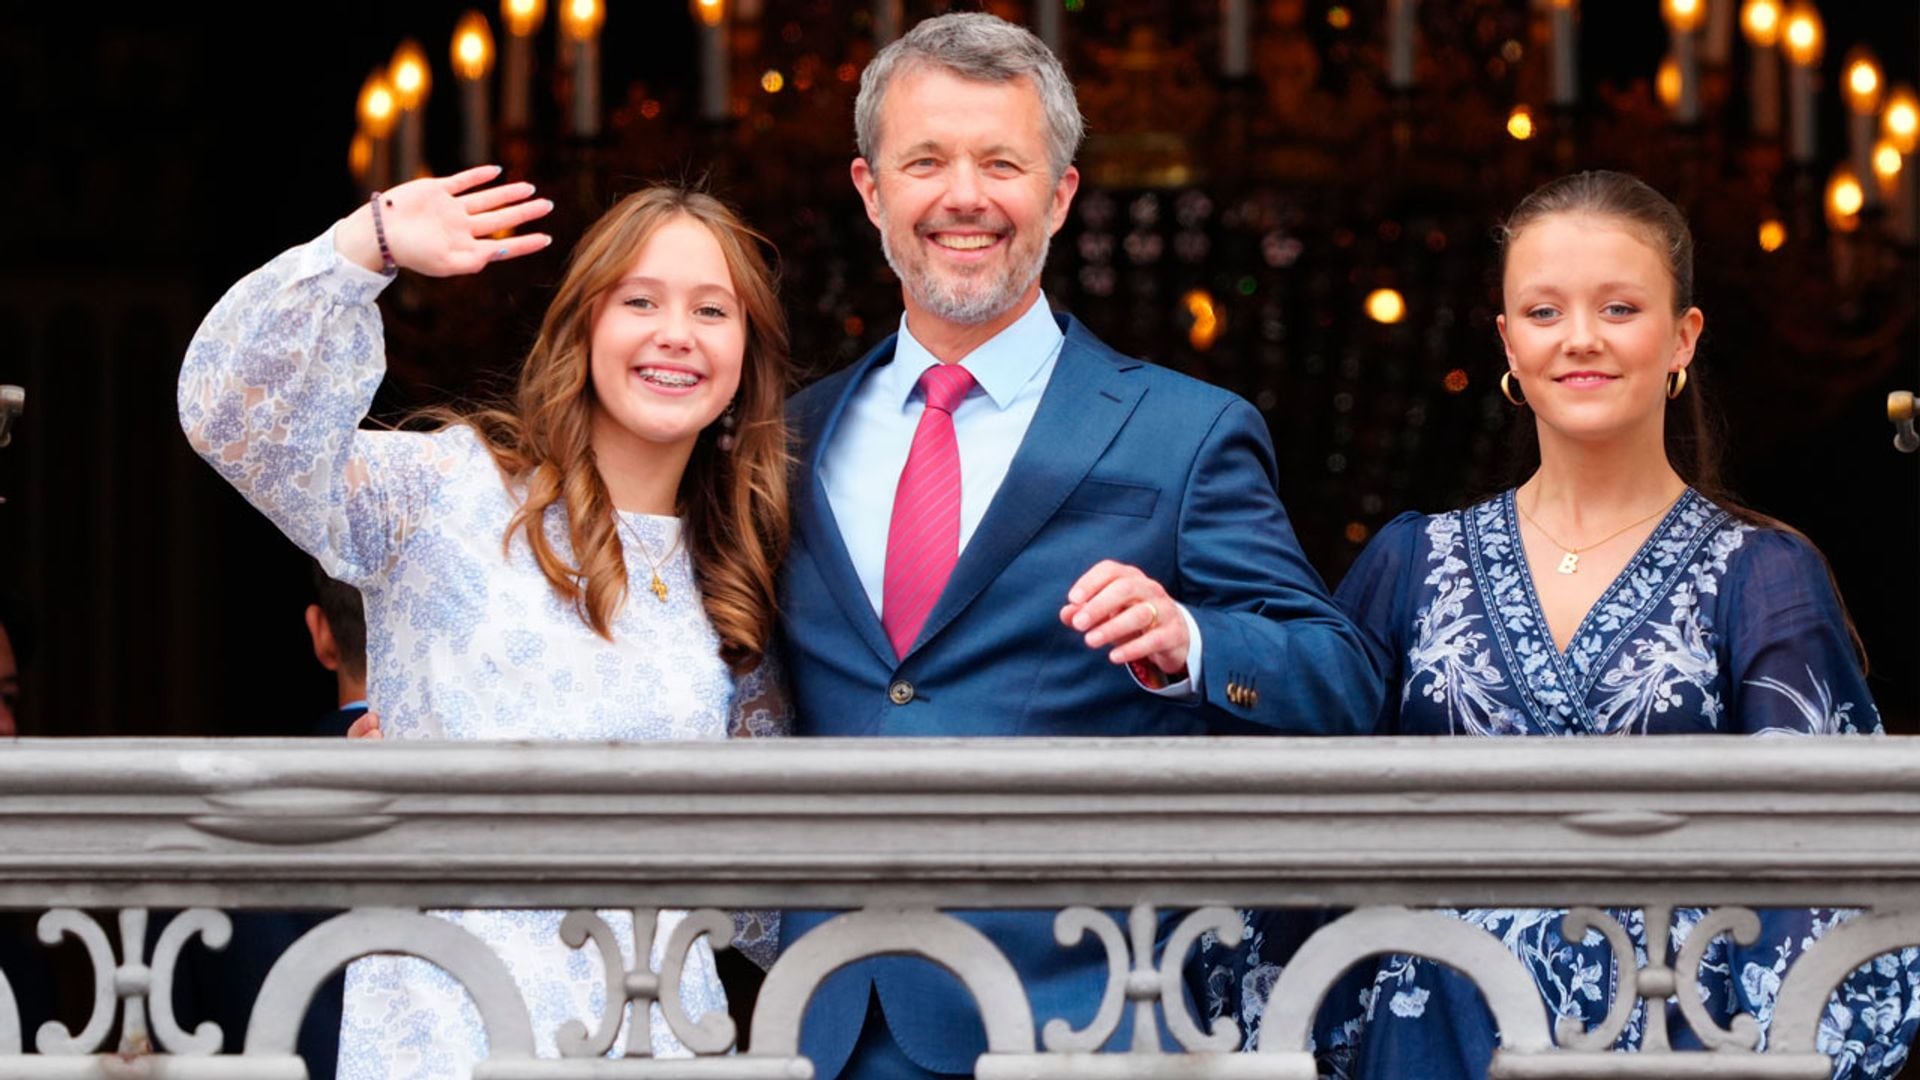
{"x": 857, "y": 935}
{"x": 297, "y": 975}
{"x": 1508, "y": 989}
{"x": 1813, "y": 977}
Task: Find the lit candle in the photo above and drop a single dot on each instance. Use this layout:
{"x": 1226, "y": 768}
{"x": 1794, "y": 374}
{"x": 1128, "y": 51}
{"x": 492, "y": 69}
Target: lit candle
{"x": 473, "y": 66}
{"x": 1900, "y": 129}
{"x": 1684, "y": 18}
{"x": 1400, "y": 29}
{"x": 1861, "y": 81}
{"x": 1563, "y": 28}
{"x": 712, "y": 17}
{"x": 886, "y": 22}
{"x": 1236, "y": 25}
{"x": 411, "y": 80}
{"x": 1805, "y": 37}
{"x": 1719, "y": 43}
{"x": 522, "y": 19}
{"x": 376, "y": 111}
{"x": 1046, "y": 19}
{"x": 1843, "y": 202}
{"x": 581, "y": 22}
{"x": 1760, "y": 22}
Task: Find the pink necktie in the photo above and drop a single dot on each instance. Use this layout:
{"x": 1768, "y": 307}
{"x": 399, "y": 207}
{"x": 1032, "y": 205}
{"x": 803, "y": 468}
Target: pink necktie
{"x": 923, "y": 539}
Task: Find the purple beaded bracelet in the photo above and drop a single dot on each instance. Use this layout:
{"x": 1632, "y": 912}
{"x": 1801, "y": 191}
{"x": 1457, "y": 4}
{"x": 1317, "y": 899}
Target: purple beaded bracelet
{"x": 387, "y": 265}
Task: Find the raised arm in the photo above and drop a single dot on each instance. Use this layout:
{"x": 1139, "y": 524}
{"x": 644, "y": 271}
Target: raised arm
{"x": 283, "y": 369}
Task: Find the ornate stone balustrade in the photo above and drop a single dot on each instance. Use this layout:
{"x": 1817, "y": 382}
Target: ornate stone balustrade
{"x": 899, "y": 830}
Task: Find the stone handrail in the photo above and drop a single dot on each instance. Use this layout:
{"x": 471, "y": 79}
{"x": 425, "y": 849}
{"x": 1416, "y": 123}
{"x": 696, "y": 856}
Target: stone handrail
{"x": 897, "y": 830}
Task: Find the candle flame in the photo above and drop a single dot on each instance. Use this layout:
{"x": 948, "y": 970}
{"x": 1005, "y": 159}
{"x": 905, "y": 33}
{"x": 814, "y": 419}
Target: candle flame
{"x": 1844, "y": 200}
{"x": 1386, "y": 306}
{"x": 1887, "y": 163}
{"x": 360, "y": 157}
{"x": 1760, "y": 20}
{"x": 472, "y": 46}
{"x": 710, "y": 12}
{"x": 409, "y": 75}
{"x": 1684, "y": 16}
{"x": 1773, "y": 235}
{"x": 1206, "y": 319}
{"x": 1666, "y": 82}
{"x": 523, "y": 17}
{"x": 1863, "y": 81}
{"x": 1901, "y": 122}
{"x": 1805, "y": 35}
{"x": 1520, "y": 123}
{"x": 582, "y": 19}
{"x": 377, "y": 107}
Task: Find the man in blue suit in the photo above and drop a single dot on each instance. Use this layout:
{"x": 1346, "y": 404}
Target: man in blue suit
{"x": 1003, "y": 527}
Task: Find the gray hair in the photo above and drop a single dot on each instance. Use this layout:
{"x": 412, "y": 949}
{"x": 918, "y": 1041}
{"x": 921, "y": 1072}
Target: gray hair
{"x": 985, "y": 48}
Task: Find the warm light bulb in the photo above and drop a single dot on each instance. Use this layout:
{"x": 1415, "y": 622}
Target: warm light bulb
{"x": 1666, "y": 82}
{"x": 582, "y": 18}
{"x": 1805, "y": 36}
{"x": 1386, "y": 306}
{"x": 1760, "y": 20}
{"x": 472, "y": 46}
{"x": 523, "y": 17}
{"x": 1900, "y": 123}
{"x": 376, "y": 106}
{"x": 1862, "y": 81}
{"x": 710, "y": 12}
{"x": 772, "y": 81}
{"x": 1520, "y": 123}
{"x": 1773, "y": 235}
{"x": 409, "y": 75}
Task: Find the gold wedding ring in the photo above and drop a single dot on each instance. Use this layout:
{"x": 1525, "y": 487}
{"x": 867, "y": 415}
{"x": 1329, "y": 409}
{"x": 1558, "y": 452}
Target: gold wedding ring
{"x": 1153, "y": 614}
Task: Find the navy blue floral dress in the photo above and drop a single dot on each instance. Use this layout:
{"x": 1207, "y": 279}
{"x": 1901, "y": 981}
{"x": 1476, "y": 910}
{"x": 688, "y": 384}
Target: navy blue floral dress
{"x": 1714, "y": 626}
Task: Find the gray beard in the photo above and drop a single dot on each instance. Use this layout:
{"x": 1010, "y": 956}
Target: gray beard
{"x": 971, "y": 301}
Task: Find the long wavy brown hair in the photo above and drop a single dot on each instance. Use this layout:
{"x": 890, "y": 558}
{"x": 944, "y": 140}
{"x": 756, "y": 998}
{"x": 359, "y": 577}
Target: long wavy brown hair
{"x": 734, "y": 502}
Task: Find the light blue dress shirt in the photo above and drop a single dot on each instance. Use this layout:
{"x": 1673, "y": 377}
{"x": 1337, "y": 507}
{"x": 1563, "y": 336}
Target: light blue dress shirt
{"x": 861, "y": 465}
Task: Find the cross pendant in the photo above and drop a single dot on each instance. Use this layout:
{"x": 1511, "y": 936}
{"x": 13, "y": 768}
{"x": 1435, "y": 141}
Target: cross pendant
{"x": 1569, "y": 563}
{"x": 659, "y": 587}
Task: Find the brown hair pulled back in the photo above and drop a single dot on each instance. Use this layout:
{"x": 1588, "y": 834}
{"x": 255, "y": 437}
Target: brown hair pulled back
{"x": 735, "y": 502}
{"x": 1693, "y": 429}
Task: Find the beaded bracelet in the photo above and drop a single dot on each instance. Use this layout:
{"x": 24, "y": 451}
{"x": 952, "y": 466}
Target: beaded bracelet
{"x": 387, "y": 265}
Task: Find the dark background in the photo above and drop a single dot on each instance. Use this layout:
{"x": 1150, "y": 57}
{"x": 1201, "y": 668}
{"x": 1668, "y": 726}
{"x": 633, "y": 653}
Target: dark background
{"x": 155, "y": 155}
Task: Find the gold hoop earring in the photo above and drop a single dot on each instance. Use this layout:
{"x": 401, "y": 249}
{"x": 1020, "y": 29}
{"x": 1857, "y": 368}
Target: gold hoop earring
{"x": 1676, "y": 382}
{"x": 1506, "y": 389}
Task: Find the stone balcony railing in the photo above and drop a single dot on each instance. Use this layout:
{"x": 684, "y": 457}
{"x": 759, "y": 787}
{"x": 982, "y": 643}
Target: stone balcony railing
{"x": 901, "y": 829}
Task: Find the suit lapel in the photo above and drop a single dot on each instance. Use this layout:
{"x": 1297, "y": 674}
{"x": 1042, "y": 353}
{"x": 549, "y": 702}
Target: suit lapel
{"x": 1086, "y": 403}
{"x": 821, "y": 530}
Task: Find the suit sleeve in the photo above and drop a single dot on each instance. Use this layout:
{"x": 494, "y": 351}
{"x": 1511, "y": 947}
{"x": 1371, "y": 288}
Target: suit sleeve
{"x": 1280, "y": 655}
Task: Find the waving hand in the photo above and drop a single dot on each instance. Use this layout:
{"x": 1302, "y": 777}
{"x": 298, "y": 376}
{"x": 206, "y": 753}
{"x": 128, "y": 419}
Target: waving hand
{"x": 445, "y": 225}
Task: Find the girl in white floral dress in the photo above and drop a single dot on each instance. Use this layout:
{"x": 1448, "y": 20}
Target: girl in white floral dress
{"x": 594, "y": 561}
{"x": 1615, "y": 592}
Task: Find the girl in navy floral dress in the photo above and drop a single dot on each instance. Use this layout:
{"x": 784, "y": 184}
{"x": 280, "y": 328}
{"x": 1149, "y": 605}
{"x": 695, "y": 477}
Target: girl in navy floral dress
{"x": 1614, "y": 592}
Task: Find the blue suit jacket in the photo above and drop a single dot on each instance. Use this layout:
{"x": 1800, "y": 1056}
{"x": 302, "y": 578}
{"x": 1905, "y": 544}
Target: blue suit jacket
{"x": 1124, "y": 460}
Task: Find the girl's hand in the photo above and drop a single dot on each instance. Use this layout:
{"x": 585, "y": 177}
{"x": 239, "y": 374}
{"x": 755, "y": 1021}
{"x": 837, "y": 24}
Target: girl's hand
{"x": 442, "y": 226}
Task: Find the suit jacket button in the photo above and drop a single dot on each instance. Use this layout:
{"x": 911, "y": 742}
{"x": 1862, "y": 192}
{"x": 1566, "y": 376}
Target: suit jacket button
{"x": 1253, "y": 698}
{"x": 900, "y": 692}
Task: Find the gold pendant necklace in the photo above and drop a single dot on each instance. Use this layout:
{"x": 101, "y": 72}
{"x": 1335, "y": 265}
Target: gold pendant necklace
{"x": 1570, "y": 555}
{"x": 657, "y": 586}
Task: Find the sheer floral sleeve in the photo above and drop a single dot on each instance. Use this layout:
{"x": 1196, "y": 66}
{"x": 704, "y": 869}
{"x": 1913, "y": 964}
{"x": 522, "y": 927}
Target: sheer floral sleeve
{"x": 272, "y": 392}
{"x": 761, "y": 710}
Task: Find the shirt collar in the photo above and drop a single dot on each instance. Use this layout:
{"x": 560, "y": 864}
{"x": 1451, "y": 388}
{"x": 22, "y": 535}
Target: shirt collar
{"x": 1002, "y": 365}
